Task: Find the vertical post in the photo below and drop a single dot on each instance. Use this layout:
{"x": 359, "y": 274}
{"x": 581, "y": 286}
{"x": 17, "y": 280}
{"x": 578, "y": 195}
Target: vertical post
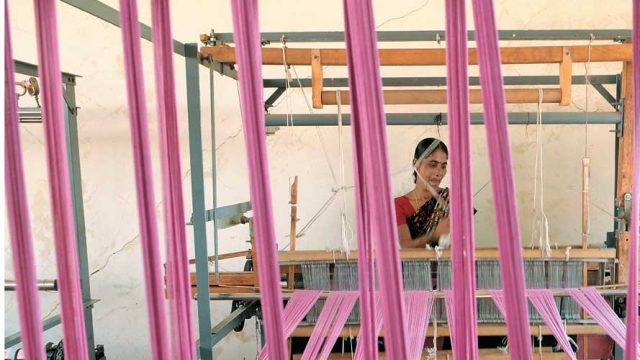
{"x": 214, "y": 174}
{"x": 293, "y": 231}
{"x": 625, "y": 167}
{"x": 75, "y": 175}
{"x": 197, "y": 197}
{"x": 316, "y": 78}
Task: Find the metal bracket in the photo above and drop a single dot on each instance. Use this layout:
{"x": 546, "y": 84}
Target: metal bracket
{"x": 227, "y": 216}
{"x": 620, "y": 125}
{"x": 233, "y": 320}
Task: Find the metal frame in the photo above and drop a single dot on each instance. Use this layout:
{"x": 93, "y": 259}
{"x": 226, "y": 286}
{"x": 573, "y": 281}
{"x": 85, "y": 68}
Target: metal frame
{"x": 75, "y": 175}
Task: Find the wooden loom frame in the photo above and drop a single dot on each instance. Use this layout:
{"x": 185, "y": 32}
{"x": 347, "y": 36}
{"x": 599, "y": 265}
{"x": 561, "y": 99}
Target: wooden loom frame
{"x": 244, "y": 283}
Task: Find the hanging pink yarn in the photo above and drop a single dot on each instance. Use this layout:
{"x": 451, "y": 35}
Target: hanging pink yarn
{"x": 373, "y": 187}
{"x": 249, "y": 57}
{"x": 64, "y": 236}
{"x": 544, "y": 302}
{"x": 144, "y": 180}
{"x": 463, "y": 263}
{"x": 503, "y": 185}
{"x": 24, "y": 263}
{"x": 297, "y": 307}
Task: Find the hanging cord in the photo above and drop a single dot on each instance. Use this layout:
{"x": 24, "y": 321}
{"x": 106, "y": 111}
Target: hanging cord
{"x": 540, "y": 224}
{"x": 344, "y": 223}
{"x": 540, "y": 341}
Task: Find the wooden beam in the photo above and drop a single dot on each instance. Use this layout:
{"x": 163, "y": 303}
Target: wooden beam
{"x": 625, "y": 160}
{"x": 316, "y": 78}
{"x": 565, "y": 77}
{"x": 225, "y": 256}
{"x": 398, "y": 97}
{"x": 398, "y": 57}
{"x": 228, "y": 278}
{"x": 288, "y": 257}
{"x": 625, "y": 165}
{"x": 483, "y": 330}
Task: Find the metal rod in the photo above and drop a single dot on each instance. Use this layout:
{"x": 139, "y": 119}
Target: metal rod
{"x": 214, "y": 175}
{"x": 518, "y": 118}
{"x": 442, "y": 81}
{"x": 48, "y": 323}
{"x": 75, "y": 175}
{"x": 197, "y": 197}
{"x": 480, "y": 294}
{"x": 439, "y": 35}
{"x": 43, "y": 285}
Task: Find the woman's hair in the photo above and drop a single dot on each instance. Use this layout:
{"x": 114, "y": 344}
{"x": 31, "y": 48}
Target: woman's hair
{"x": 428, "y": 144}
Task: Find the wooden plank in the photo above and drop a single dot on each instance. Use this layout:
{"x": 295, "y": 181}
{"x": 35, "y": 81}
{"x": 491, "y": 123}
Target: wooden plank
{"x": 240, "y": 278}
{"x": 484, "y": 354}
{"x": 565, "y": 77}
{"x": 483, "y": 330}
{"x": 225, "y": 256}
{"x": 398, "y": 97}
{"x": 398, "y": 57}
{"x": 625, "y": 160}
{"x": 286, "y": 257}
{"x": 316, "y": 79}
{"x": 622, "y": 247}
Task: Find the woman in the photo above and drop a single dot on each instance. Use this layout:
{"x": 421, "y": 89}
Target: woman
{"x": 422, "y": 215}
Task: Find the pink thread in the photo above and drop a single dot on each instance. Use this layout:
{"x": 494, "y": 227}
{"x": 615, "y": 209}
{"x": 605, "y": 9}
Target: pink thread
{"x": 360, "y": 348}
{"x": 24, "y": 263}
{"x": 631, "y": 352}
{"x": 598, "y": 308}
{"x": 506, "y": 211}
{"x": 463, "y": 262}
{"x": 498, "y": 299}
{"x": 349, "y": 299}
{"x": 297, "y": 307}
{"x": 330, "y": 317}
{"x": 144, "y": 179}
{"x": 373, "y": 194}
{"x": 451, "y": 319}
{"x": 73, "y": 327}
{"x": 545, "y": 304}
{"x": 419, "y": 305}
{"x": 249, "y": 58}
{"x": 178, "y": 281}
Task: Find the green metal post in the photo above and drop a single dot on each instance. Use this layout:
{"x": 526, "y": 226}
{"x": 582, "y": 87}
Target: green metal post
{"x": 197, "y": 196}
{"x": 214, "y": 175}
{"x": 78, "y": 207}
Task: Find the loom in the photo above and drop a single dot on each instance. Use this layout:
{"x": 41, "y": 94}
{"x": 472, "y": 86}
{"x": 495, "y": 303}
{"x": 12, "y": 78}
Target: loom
{"x": 333, "y": 270}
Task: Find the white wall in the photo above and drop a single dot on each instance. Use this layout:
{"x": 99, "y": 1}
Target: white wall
{"x": 92, "y": 49}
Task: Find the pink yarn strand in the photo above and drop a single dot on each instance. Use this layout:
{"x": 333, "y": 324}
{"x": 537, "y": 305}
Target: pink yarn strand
{"x": 24, "y": 263}
{"x": 509, "y": 242}
{"x": 462, "y": 238}
{"x": 144, "y": 180}
{"x": 545, "y": 304}
{"x": 419, "y": 306}
{"x": 360, "y": 348}
{"x": 349, "y": 299}
{"x": 297, "y": 308}
{"x": 72, "y": 308}
{"x": 631, "y": 351}
{"x": 451, "y": 320}
{"x": 369, "y": 132}
{"x": 178, "y": 281}
{"x": 249, "y": 57}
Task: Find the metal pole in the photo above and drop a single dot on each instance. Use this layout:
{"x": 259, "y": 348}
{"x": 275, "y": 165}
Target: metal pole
{"x": 73, "y": 152}
{"x": 214, "y": 175}
{"x": 197, "y": 197}
{"x": 519, "y": 118}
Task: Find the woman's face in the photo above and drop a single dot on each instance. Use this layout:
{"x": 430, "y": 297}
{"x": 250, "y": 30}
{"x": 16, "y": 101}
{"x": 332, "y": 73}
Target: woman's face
{"x": 433, "y": 168}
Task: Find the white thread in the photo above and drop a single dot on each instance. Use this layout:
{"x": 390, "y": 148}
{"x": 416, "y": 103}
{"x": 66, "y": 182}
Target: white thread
{"x": 567, "y": 253}
{"x": 344, "y": 223}
{"x": 540, "y": 223}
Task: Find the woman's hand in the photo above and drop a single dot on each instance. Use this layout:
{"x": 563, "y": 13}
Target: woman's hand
{"x": 441, "y": 229}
